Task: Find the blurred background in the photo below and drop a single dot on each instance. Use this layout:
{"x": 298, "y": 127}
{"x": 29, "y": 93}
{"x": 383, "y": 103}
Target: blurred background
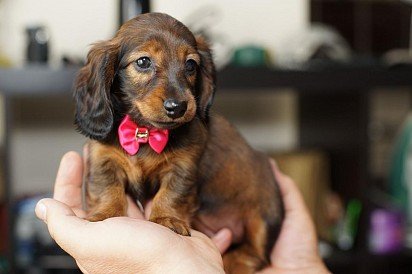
{"x": 323, "y": 86}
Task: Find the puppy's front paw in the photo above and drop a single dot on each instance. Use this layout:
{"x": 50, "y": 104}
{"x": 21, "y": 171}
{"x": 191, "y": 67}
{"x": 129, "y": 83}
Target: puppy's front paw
{"x": 99, "y": 215}
{"x": 95, "y": 217}
{"x": 173, "y": 224}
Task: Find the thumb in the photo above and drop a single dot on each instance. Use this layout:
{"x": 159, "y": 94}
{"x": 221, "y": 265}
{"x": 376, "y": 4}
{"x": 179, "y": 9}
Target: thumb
{"x": 222, "y": 239}
{"x": 68, "y": 230}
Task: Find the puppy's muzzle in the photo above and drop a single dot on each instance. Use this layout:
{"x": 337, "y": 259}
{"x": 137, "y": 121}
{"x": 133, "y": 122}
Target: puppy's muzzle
{"x": 175, "y": 109}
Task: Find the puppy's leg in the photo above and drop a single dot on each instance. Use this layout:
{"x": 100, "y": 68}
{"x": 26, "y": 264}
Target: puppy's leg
{"x": 251, "y": 255}
{"x": 105, "y": 183}
{"x": 107, "y": 203}
{"x": 241, "y": 260}
{"x": 175, "y": 203}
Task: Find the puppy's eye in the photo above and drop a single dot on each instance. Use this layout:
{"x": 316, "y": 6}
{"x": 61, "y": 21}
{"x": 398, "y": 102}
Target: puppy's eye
{"x": 190, "y": 66}
{"x": 144, "y": 62}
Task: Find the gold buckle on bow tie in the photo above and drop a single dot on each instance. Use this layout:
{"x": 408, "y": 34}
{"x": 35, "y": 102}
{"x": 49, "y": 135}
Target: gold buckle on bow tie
{"x": 142, "y": 134}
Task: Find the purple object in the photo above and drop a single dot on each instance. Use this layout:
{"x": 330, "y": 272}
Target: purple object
{"x": 386, "y": 232}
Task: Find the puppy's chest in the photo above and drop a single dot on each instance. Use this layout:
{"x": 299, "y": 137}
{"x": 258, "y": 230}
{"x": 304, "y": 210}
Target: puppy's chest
{"x": 151, "y": 168}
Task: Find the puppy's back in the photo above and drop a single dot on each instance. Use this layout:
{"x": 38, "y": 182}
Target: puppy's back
{"x": 237, "y": 184}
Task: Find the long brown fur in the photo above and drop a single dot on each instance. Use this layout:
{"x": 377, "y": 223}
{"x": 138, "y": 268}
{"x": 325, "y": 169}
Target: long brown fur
{"x": 207, "y": 177}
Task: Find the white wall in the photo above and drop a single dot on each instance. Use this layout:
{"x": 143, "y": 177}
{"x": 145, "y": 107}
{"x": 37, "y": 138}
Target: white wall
{"x": 36, "y": 155}
{"x": 268, "y": 23}
{"x": 73, "y": 25}
{"x": 267, "y": 120}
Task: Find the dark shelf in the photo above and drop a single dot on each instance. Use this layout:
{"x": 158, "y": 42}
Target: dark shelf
{"x": 327, "y": 80}
{"x": 38, "y": 80}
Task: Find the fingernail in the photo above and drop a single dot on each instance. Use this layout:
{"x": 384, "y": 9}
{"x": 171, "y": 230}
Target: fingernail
{"x": 42, "y": 211}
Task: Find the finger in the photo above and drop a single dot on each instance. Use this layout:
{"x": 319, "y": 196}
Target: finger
{"x": 297, "y": 223}
{"x": 291, "y": 196}
{"x": 68, "y": 230}
{"x": 68, "y": 185}
{"x": 85, "y": 240}
{"x": 148, "y": 209}
{"x": 85, "y": 154}
{"x": 222, "y": 239}
{"x": 296, "y": 211}
{"x": 82, "y": 269}
{"x": 133, "y": 210}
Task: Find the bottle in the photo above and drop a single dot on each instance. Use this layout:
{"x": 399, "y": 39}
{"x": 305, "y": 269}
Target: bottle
{"x": 38, "y": 45}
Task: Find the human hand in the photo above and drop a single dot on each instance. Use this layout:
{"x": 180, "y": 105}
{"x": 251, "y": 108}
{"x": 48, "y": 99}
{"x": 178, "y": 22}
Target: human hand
{"x": 123, "y": 244}
{"x": 295, "y": 250}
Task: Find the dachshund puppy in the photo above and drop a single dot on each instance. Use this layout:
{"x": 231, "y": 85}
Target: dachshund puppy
{"x": 143, "y": 99}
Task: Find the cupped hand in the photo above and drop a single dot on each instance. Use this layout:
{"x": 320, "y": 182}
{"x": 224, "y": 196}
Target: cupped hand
{"x": 131, "y": 244}
{"x": 122, "y": 244}
{"x": 296, "y": 249}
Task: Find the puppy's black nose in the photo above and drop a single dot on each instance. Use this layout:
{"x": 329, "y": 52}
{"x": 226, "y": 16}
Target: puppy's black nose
{"x": 175, "y": 109}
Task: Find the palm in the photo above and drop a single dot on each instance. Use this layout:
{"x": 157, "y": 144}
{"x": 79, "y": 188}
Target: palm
{"x": 122, "y": 231}
{"x": 148, "y": 240}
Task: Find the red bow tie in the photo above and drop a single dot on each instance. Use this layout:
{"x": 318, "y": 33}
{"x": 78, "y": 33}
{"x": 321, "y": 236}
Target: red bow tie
{"x": 131, "y": 135}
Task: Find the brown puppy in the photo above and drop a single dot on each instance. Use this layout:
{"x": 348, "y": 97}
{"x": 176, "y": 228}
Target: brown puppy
{"x": 155, "y": 71}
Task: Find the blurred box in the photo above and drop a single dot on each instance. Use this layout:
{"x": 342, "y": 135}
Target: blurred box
{"x": 310, "y": 170}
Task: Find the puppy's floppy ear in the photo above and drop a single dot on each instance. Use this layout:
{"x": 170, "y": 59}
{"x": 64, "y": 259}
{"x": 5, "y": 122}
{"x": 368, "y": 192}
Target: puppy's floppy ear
{"x": 207, "y": 80}
{"x": 94, "y": 111}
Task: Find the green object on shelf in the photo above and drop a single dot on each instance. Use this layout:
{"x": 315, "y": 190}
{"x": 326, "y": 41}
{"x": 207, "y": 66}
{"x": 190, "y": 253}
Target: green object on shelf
{"x": 348, "y": 227}
{"x": 353, "y": 212}
{"x": 250, "y": 56}
{"x": 398, "y": 179}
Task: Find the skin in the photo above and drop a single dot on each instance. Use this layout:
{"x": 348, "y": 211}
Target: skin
{"x": 112, "y": 246}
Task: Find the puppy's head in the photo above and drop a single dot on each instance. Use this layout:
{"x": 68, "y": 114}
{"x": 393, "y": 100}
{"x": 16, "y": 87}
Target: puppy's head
{"x": 154, "y": 69}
